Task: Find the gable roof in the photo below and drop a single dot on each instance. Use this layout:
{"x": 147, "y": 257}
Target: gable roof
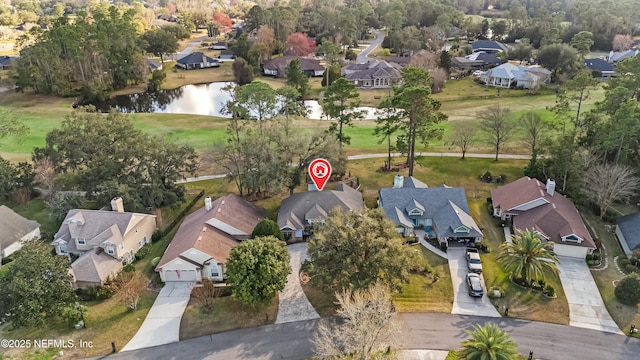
{"x": 629, "y": 226}
{"x": 446, "y": 206}
{"x": 488, "y": 45}
{"x": 616, "y": 56}
{"x": 7, "y": 60}
{"x": 196, "y": 58}
{"x": 520, "y": 73}
{"x": 98, "y": 225}
{"x": 372, "y": 70}
{"x": 95, "y": 266}
{"x": 556, "y": 218}
{"x": 215, "y": 232}
{"x": 598, "y": 65}
{"x": 13, "y": 226}
{"x": 281, "y": 63}
{"x": 316, "y": 205}
{"x": 154, "y": 64}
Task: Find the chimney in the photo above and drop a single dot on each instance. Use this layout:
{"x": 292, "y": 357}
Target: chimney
{"x": 551, "y": 187}
{"x": 207, "y": 203}
{"x": 116, "y": 204}
{"x": 398, "y": 181}
{"x": 311, "y": 186}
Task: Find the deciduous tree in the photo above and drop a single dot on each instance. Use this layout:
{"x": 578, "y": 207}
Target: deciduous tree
{"x": 37, "y": 286}
{"x": 160, "y": 42}
{"x": 131, "y": 285}
{"x": 387, "y": 124}
{"x": 498, "y": 125}
{"x": 11, "y": 125}
{"x": 463, "y": 136}
{"x": 339, "y": 103}
{"x": 622, "y": 42}
{"x": 257, "y": 269}
{"x": 267, "y": 227}
{"x": 605, "y": 184}
{"x": 559, "y": 58}
{"x": 299, "y": 44}
{"x": 582, "y": 42}
{"x": 354, "y": 250}
{"x": 259, "y": 100}
{"x": 534, "y": 129}
{"x": 242, "y": 72}
{"x": 368, "y": 327}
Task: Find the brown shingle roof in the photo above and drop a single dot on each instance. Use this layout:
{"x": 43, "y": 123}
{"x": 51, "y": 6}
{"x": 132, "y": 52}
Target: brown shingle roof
{"x": 195, "y": 232}
{"x": 281, "y": 63}
{"x": 558, "y": 218}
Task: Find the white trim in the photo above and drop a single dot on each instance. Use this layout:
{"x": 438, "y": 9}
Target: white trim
{"x": 528, "y": 202}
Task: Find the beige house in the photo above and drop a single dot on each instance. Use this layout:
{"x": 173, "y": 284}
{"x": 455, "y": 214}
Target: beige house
{"x": 100, "y": 242}
{"x": 202, "y": 244}
{"x": 14, "y": 231}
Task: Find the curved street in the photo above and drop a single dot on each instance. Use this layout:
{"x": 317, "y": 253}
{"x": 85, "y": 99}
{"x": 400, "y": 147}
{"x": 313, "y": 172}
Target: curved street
{"x": 419, "y": 331}
{"x": 363, "y": 56}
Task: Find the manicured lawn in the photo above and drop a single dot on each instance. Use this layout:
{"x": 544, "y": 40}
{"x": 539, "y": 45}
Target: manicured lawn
{"x": 323, "y": 301}
{"x": 227, "y": 313}
{"x": 522, "y": 303}
{"x": 623, "y": 315}
{"x": 37, "y": 210}
{"x": 422, "y": 294}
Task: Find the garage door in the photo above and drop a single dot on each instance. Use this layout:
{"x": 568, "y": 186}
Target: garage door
{"x": 180, "y": 275}
{"x": 571, "y": 251}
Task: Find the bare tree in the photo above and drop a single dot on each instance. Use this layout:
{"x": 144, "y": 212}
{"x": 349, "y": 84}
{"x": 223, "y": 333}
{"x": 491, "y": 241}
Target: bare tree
{"x": 605, "y": 184}
{"x": 45, "y": 172}
{"x": 438, "y": 80}
{"x": 622, "y": 42}
{"x": 426, "y": 60}
{"x": 367, "y": 326}
{"x": 206, "y": 294}
{"x": 463, "y": 135}
{"x": 131, "y": 285}
{"x": 21, "y": 196}
{"x": 534, "y": 128}
{"x": 496, "y": 122}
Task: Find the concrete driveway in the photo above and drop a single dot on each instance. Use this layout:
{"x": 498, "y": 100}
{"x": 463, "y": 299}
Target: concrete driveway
{"x": 162, "y": 325}
{"x": 586, "y": 308}
{"x": 294, "y": 305}
{"x": 363, "y": 56}
{"x": 463, "y": 303}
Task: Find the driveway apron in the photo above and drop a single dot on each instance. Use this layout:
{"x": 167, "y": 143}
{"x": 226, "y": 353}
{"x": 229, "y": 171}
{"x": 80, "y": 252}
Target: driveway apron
{"x": 463, "y": 303}
{"x": 586, "y": 308}
{"x": 162, "y": 324}
{"x": 294, "y": 305}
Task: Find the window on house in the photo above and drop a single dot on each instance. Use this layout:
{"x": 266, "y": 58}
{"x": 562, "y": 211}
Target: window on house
{"x": 215, "y": 272}
{"x": 62, "y": 249}
{"x": 111, "y": 250}
{"x": 140, "y": 244}
{"x": 145, "y": 239}
{"x": 81, "y": 241}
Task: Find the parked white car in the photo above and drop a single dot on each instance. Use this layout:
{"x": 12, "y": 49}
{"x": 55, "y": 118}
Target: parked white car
{"x": 478, "y": 73}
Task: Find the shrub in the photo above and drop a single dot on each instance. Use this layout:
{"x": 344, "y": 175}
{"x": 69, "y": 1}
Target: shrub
{"x": 157, "y": 235}
{"x": 385, "y": 52}
{"x": 622, "y": 263}
{"x": 550, "y": 290}
{"x": 155, "y": 261}
{"x": 443, "y": 246}
{"x": 6, "y": 260}
{"x": 633, "y": 260}
{"x": 129, "y": 268}
{"x": 596, "y": 257}
{"x": 143, "y": 252}
{"x": 629, "y": 269}
{"x": 590, "y": 262}
{"x": 628, "y": 290}
{"x": 95, "y": 293}
{"x": 351, "y": 55}
{"x": 589, "y": 257}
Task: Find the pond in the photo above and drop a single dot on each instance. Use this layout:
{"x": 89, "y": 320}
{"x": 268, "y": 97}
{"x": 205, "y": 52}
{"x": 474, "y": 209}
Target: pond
{"x": 203, "y": 99}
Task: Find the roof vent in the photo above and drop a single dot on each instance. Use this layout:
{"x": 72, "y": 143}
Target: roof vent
{"x": 204, "y": 228}
{"x": 199, "y": 238}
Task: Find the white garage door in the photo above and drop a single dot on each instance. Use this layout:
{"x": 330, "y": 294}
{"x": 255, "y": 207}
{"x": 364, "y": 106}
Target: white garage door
{"x": 180, "y": 275}
{"x": 571, "y": 251}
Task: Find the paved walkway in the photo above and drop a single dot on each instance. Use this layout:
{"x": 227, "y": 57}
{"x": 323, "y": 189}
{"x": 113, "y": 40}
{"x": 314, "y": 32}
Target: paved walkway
{"x": 433, "y": 249}
{"x": 463, "y": 303}
{"x": 294, "y": 305}
{"x": 162, "y": 325}
{"x": 586, "y": 308}
{"x": 507, "y": 234}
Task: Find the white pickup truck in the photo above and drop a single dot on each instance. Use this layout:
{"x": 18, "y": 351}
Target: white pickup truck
{"x": 473, "y": 260}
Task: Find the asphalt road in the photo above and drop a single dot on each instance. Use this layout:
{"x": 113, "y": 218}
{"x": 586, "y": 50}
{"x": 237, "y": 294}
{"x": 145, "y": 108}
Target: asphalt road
{"x": 420, "y": 331}
{"x": 363, "y": 56}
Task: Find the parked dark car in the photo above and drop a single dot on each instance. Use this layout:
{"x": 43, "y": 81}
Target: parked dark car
{"x": 474, "y": 285}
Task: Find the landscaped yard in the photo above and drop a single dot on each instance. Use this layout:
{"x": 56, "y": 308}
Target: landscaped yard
{"x": 227, "y": 313}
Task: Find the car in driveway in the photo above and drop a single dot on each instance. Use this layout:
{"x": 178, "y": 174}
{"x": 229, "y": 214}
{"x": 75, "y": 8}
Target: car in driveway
{"x": 473, "y": 260}
{"x": 474, "y": 285}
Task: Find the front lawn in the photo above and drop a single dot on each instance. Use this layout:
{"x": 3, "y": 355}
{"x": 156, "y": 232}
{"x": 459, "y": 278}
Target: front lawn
{"x": 422, "y": 294}
{"x": 523, "y": 303}
{"x": 227, "y": 313}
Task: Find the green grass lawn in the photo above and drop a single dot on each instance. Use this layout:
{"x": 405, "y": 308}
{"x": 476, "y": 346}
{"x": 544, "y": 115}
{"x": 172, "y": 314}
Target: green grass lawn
{"x": 423, "y": 293}
{"x": 227, "y": 313}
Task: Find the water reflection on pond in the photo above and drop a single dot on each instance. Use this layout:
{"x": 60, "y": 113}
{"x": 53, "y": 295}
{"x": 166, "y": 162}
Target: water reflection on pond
{"x": 204, "y": 99}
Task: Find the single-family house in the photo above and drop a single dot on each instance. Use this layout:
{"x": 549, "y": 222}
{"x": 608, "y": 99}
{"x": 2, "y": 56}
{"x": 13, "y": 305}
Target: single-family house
{"x": 373, "y": 75}
{"x": 441, "y": 212}
{"x": 220, "y": 45}
{"x": 533, "y": 205}
{"x": 601, "y": 67}
{"x": 489, "y": 46}
{"x": 508, "y": 75}
{"x": 278, "y": 66}
{"x": 301, "y": 211}
{"x": 617, "y": 56}
{"x": 15, "y": 230}
{"x": 201, "y": 247}
{"x": 167, "y": 17}
{"x": 477, "y": 60}
{"x": 227, "y": 55}
{"x": 6, "y": 61}
{"x": 455, "y": 33}
{"x": 154, "y": 65}
{"x": 99, "y": 242}
{"x": 197, "y": 60}
{"x": 628, "y": 233}
{"x": 399, "y": 60}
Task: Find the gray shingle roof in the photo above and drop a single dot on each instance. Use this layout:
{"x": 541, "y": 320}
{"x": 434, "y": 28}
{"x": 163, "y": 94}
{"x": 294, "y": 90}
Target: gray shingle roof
{"x": 598, "y": 65}
{"x": 372, "y": 70}
{"x": 489, "y": 45}
{"x": 93, "y": 224}
{"x": 95, "y": 266}
{"x": 317, "y": 204}
{"x": 196, "y": 58}
{"x": 13, "y": 226}
{"x": 630, "y": 228}
{"x": 446, "y": 206}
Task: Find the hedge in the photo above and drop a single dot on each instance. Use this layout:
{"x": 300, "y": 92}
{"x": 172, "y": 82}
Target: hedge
{"x": 160, "y": 233}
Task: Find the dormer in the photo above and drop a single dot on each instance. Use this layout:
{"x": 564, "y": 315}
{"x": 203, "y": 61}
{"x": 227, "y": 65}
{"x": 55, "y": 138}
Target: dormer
{"x": 414, "y": 208}
{"x": 462, "y": 229}
{"x": 315, "y": 215}
{"x": 572, "y": 238}
{"x": 75, "y": 225}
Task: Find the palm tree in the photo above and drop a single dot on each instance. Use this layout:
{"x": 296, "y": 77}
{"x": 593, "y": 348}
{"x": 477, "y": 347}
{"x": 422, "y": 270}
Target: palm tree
{"x": 528, "y": 257}
{"x": 488, "y": 342}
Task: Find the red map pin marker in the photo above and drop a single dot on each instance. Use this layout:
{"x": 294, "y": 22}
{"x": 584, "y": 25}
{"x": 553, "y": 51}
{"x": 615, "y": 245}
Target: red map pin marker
{"x": 320, "y": 171}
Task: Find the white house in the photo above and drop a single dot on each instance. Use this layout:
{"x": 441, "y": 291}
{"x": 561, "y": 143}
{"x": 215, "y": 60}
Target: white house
{"x": 508, "y": 75}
